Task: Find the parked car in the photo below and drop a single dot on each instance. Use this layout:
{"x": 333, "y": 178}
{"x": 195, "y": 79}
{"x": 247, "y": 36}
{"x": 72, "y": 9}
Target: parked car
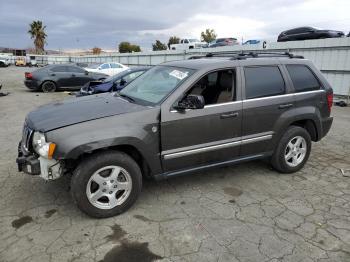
{"x": 112, "y": 83}
{"x": 223, "y": 42}
{"x": 188, "y": 43}
{"x": 52, "y": 77}
{"x": 107, "y": 68}
{"x": 32, "y": 61}
{"x": 4, "y": 62}
{"x": 306, "y": 33}
{"x": 251, "y": 42}
{"x": 179, "y": 117}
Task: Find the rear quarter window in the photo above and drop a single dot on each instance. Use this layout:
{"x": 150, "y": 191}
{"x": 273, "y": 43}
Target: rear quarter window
{"x": 303, "y": 79}
{"x": 59, "y": 69}
{"x": 263, "y": 81}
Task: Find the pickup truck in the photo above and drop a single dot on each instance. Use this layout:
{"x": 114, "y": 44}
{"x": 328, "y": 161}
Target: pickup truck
{"x": 188, "y": 43}
{"x": 4, "y": 62}
{"x": 179, "y": 117}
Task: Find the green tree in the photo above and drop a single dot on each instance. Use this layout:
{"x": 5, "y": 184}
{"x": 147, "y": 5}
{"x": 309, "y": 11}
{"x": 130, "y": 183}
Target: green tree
{"x": 208, "y": 35}
{"x": 173, "y": 40}
{"x": 126, "y": 47}
{"x": 158, "y": 46}
{"x": 37, "y": 32}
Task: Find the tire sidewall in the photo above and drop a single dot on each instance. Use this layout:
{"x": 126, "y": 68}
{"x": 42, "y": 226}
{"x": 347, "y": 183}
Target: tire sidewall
{"x": 87, "y": 168}
{"x": 281, "y": 164}
{"x": 44, "y": 89}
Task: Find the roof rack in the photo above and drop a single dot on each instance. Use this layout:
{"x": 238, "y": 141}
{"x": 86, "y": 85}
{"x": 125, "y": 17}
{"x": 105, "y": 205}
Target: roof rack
{"x": 243, "y": 55}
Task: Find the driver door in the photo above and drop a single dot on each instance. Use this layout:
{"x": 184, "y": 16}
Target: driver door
{"x": 199, "y": 137}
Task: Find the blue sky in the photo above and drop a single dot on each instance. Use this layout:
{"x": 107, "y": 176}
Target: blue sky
{"x": 84, "y": 24}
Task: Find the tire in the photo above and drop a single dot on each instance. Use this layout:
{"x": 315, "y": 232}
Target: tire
{"x": 288, "y": 156}
{"x": 99, "y": 167}
{"x": 48, "y": 87}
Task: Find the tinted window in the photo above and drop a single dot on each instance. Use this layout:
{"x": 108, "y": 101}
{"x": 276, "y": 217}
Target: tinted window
{"x": 263, "y": 81}
{"x": 59, "y": 69}
{"x": 303, "y": 79}
{"x": 75, "y": 69}
{"x": 215, "y": 87}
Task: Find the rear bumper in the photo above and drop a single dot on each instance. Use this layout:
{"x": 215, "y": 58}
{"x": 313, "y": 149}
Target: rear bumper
{"x": 32, "y": 84}
{"x": 326, "y": 125}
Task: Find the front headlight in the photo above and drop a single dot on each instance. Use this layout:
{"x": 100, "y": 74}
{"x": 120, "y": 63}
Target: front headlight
{"x": 43, "y": 148}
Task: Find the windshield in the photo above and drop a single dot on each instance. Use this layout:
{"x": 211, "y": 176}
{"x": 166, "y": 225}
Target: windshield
{"x": 156, "y": 84}
{"x": 193, "y": 40}
{"x": 93, "y": 66}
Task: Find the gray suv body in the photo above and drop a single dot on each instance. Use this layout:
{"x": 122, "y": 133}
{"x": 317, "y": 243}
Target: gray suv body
{"x": 179, "y": 117}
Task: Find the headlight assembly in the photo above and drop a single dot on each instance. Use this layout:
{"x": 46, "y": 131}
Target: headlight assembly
{"x": 43, "y": 148}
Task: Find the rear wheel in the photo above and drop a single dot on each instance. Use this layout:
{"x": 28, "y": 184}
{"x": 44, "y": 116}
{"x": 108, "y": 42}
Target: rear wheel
{"x": 292, "y": 151}
{"x": 106, "y": 184}
{"x": 48, "y": 87}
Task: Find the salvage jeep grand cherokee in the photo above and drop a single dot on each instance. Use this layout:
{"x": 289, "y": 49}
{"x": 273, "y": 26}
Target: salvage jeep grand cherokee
{"x": 176, "y": 118}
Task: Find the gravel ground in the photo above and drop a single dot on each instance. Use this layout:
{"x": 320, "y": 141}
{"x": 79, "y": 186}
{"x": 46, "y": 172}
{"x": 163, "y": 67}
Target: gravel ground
{"x": 243, "y": 213}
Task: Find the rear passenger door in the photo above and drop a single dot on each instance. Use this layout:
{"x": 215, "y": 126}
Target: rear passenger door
{"x": 267, "y": 98}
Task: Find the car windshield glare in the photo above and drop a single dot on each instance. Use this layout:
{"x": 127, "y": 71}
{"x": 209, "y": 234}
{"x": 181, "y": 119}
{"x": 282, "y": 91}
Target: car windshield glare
{"x": 156, "y": 84}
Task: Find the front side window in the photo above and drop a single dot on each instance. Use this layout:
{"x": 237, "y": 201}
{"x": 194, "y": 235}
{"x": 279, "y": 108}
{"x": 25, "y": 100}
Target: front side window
{"x": 76, "y": 69}
{"x": 215, "y": 87}
{"x": 263, "y": 81}
{"x": 156, "y": 84}
{"x": 303, "y": 79}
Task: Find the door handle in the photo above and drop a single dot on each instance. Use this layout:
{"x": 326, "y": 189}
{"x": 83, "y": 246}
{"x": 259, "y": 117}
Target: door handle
{"x": 229, "y": 115}
{"x": 53, "y": 74}
{"x": 285, "y": 106}
{"x": 73, "y": 74}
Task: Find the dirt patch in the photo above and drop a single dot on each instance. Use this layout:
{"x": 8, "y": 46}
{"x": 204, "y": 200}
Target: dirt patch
{"x": 182, "y": 202}
{"x": 21, "y": 221}
{"x": 117, "y": 234}
{"x": 232, "y": 191}
{"x": 49, "y": 213}
{"x": 131, "y": 252}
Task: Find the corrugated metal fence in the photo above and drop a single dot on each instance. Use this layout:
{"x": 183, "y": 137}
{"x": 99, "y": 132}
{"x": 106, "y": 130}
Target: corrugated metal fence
{"x": 331, "y": 56}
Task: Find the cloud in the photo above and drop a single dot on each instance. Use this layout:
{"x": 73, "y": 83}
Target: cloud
{"x": 84, "y": 24}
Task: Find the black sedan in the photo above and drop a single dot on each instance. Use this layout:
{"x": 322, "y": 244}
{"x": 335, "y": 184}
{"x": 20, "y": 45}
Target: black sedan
{"x": 53, "y": 77}
{"x": 306, "y": 33}
{"x": 112, "y": 83}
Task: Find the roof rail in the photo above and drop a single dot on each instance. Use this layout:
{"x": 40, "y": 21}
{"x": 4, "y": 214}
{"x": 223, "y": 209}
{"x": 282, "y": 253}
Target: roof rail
{"x": 244, "y": 55}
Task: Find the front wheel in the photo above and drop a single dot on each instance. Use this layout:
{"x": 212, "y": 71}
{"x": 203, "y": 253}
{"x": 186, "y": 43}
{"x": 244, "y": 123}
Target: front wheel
{"x": 106, "y": 184}
{"x": 293, "y": 150}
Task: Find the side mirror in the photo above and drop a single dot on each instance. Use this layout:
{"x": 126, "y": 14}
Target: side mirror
{"x": 190, "y": 102}
{"x": 86, "y": 72}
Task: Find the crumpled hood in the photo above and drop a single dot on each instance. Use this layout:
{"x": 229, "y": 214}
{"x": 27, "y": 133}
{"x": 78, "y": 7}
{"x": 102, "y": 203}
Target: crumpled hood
{"x": 77, "y": 110}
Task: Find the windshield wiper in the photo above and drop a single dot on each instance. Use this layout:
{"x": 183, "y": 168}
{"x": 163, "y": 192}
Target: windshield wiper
{"x": 130, "y": 99}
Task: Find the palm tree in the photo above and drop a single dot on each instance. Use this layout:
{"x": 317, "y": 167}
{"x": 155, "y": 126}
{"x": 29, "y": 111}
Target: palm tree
{"x": 37, "y": 32}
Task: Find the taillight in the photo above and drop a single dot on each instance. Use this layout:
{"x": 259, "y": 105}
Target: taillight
{"x": 330, "y": 101}
{"x": 28, "y": 75}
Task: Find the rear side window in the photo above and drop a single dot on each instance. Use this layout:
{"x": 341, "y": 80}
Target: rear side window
{"x": 59, "y": 69}
{"x": 303, "y": 79}
{"x": 263, "y": 81}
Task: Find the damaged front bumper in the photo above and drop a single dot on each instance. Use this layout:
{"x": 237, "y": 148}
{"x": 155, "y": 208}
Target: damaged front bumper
{"x": 48, "y": 169}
